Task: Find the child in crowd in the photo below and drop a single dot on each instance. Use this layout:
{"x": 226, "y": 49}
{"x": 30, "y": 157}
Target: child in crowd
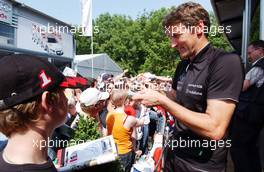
{"x": 92, "y": 101}
{"x": 121, "y": 126}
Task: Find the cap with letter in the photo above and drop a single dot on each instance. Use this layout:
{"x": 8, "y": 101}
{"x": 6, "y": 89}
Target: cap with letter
{"x": 24, "y": 77}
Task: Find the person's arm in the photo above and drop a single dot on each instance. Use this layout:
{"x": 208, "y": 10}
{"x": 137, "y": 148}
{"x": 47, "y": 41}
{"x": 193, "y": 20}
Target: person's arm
{"x": 171, "y": 94}
{"x": 134, "y": 143}
{"x": 117, "y": 77}
{"x": 223, "y": 89}
{"x": 211, "y": 124}
{"x": 139, "y": 122}
{"x": 75, "y": 121}
{"x": 134, "y": 138}
{"x": 246, "y": 85}
{"x": 252, "y": 77}
{"x": 163, "y": 78}
{"x": 110, "y": 119}
{"x": 131, "y": 122}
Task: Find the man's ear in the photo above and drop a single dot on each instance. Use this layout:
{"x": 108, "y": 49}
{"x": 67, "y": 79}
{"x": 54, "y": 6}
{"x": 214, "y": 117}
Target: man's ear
{"x": 200, "y": 28}
{"x": 262, "y": 52}
{"x": 45, "y": 104}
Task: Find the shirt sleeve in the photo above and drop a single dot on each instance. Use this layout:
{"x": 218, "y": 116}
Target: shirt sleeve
{"x": 254, "y": 75}
{"x": 225, "y": 78}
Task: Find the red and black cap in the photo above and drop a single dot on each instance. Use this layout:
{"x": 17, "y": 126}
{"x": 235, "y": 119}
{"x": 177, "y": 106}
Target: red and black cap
{"x": 24, "y": 77}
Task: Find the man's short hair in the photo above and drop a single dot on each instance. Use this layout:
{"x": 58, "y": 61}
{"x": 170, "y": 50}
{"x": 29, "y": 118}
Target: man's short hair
{"x": 188, "y": 14}
{"x": 258, "y": 44}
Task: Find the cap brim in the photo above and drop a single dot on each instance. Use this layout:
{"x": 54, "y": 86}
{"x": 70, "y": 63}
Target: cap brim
{"x": 104, "y": 95}
{"x": 74, "y": 82}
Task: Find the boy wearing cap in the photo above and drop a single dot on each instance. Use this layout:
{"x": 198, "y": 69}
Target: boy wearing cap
{"x": 32, "y": 105}
{"x": 92, "y": 101}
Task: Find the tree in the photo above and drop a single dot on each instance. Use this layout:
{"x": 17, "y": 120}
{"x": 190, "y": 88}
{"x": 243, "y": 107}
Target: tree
{"x": 217, "y": 38}
{"x": 140, "y": 45}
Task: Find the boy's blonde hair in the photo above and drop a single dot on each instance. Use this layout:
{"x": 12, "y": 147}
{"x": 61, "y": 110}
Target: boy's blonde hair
{"x": 119, "y": 97}
{"x": 17, "y": 118}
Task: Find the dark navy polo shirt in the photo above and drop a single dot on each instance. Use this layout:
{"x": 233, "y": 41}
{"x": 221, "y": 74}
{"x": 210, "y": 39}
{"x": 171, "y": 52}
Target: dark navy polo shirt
{"x": 213, "y": 74}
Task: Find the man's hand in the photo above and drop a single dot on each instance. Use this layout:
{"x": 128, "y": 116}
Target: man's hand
{"x": 138, "y": 153}
{"x": 148, "y": 97}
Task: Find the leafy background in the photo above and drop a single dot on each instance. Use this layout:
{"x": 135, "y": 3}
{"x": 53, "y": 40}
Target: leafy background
{"x": 139, "y": 45}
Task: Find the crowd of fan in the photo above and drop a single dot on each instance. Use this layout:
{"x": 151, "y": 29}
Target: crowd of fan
{"x": 108, "y": 100}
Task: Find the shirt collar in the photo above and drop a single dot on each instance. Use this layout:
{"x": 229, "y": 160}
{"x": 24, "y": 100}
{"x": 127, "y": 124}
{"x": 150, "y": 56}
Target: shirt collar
{"x": 199, "y": 56}
{"x": 257, "y": 60}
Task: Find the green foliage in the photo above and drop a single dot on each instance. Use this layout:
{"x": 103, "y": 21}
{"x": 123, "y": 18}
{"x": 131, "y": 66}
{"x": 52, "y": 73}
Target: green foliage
{"x": 254, "y": 30}
{"x": 217, "y": 39}
{"x": 139, "y": 45}
{"x": 87, "y": 129}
